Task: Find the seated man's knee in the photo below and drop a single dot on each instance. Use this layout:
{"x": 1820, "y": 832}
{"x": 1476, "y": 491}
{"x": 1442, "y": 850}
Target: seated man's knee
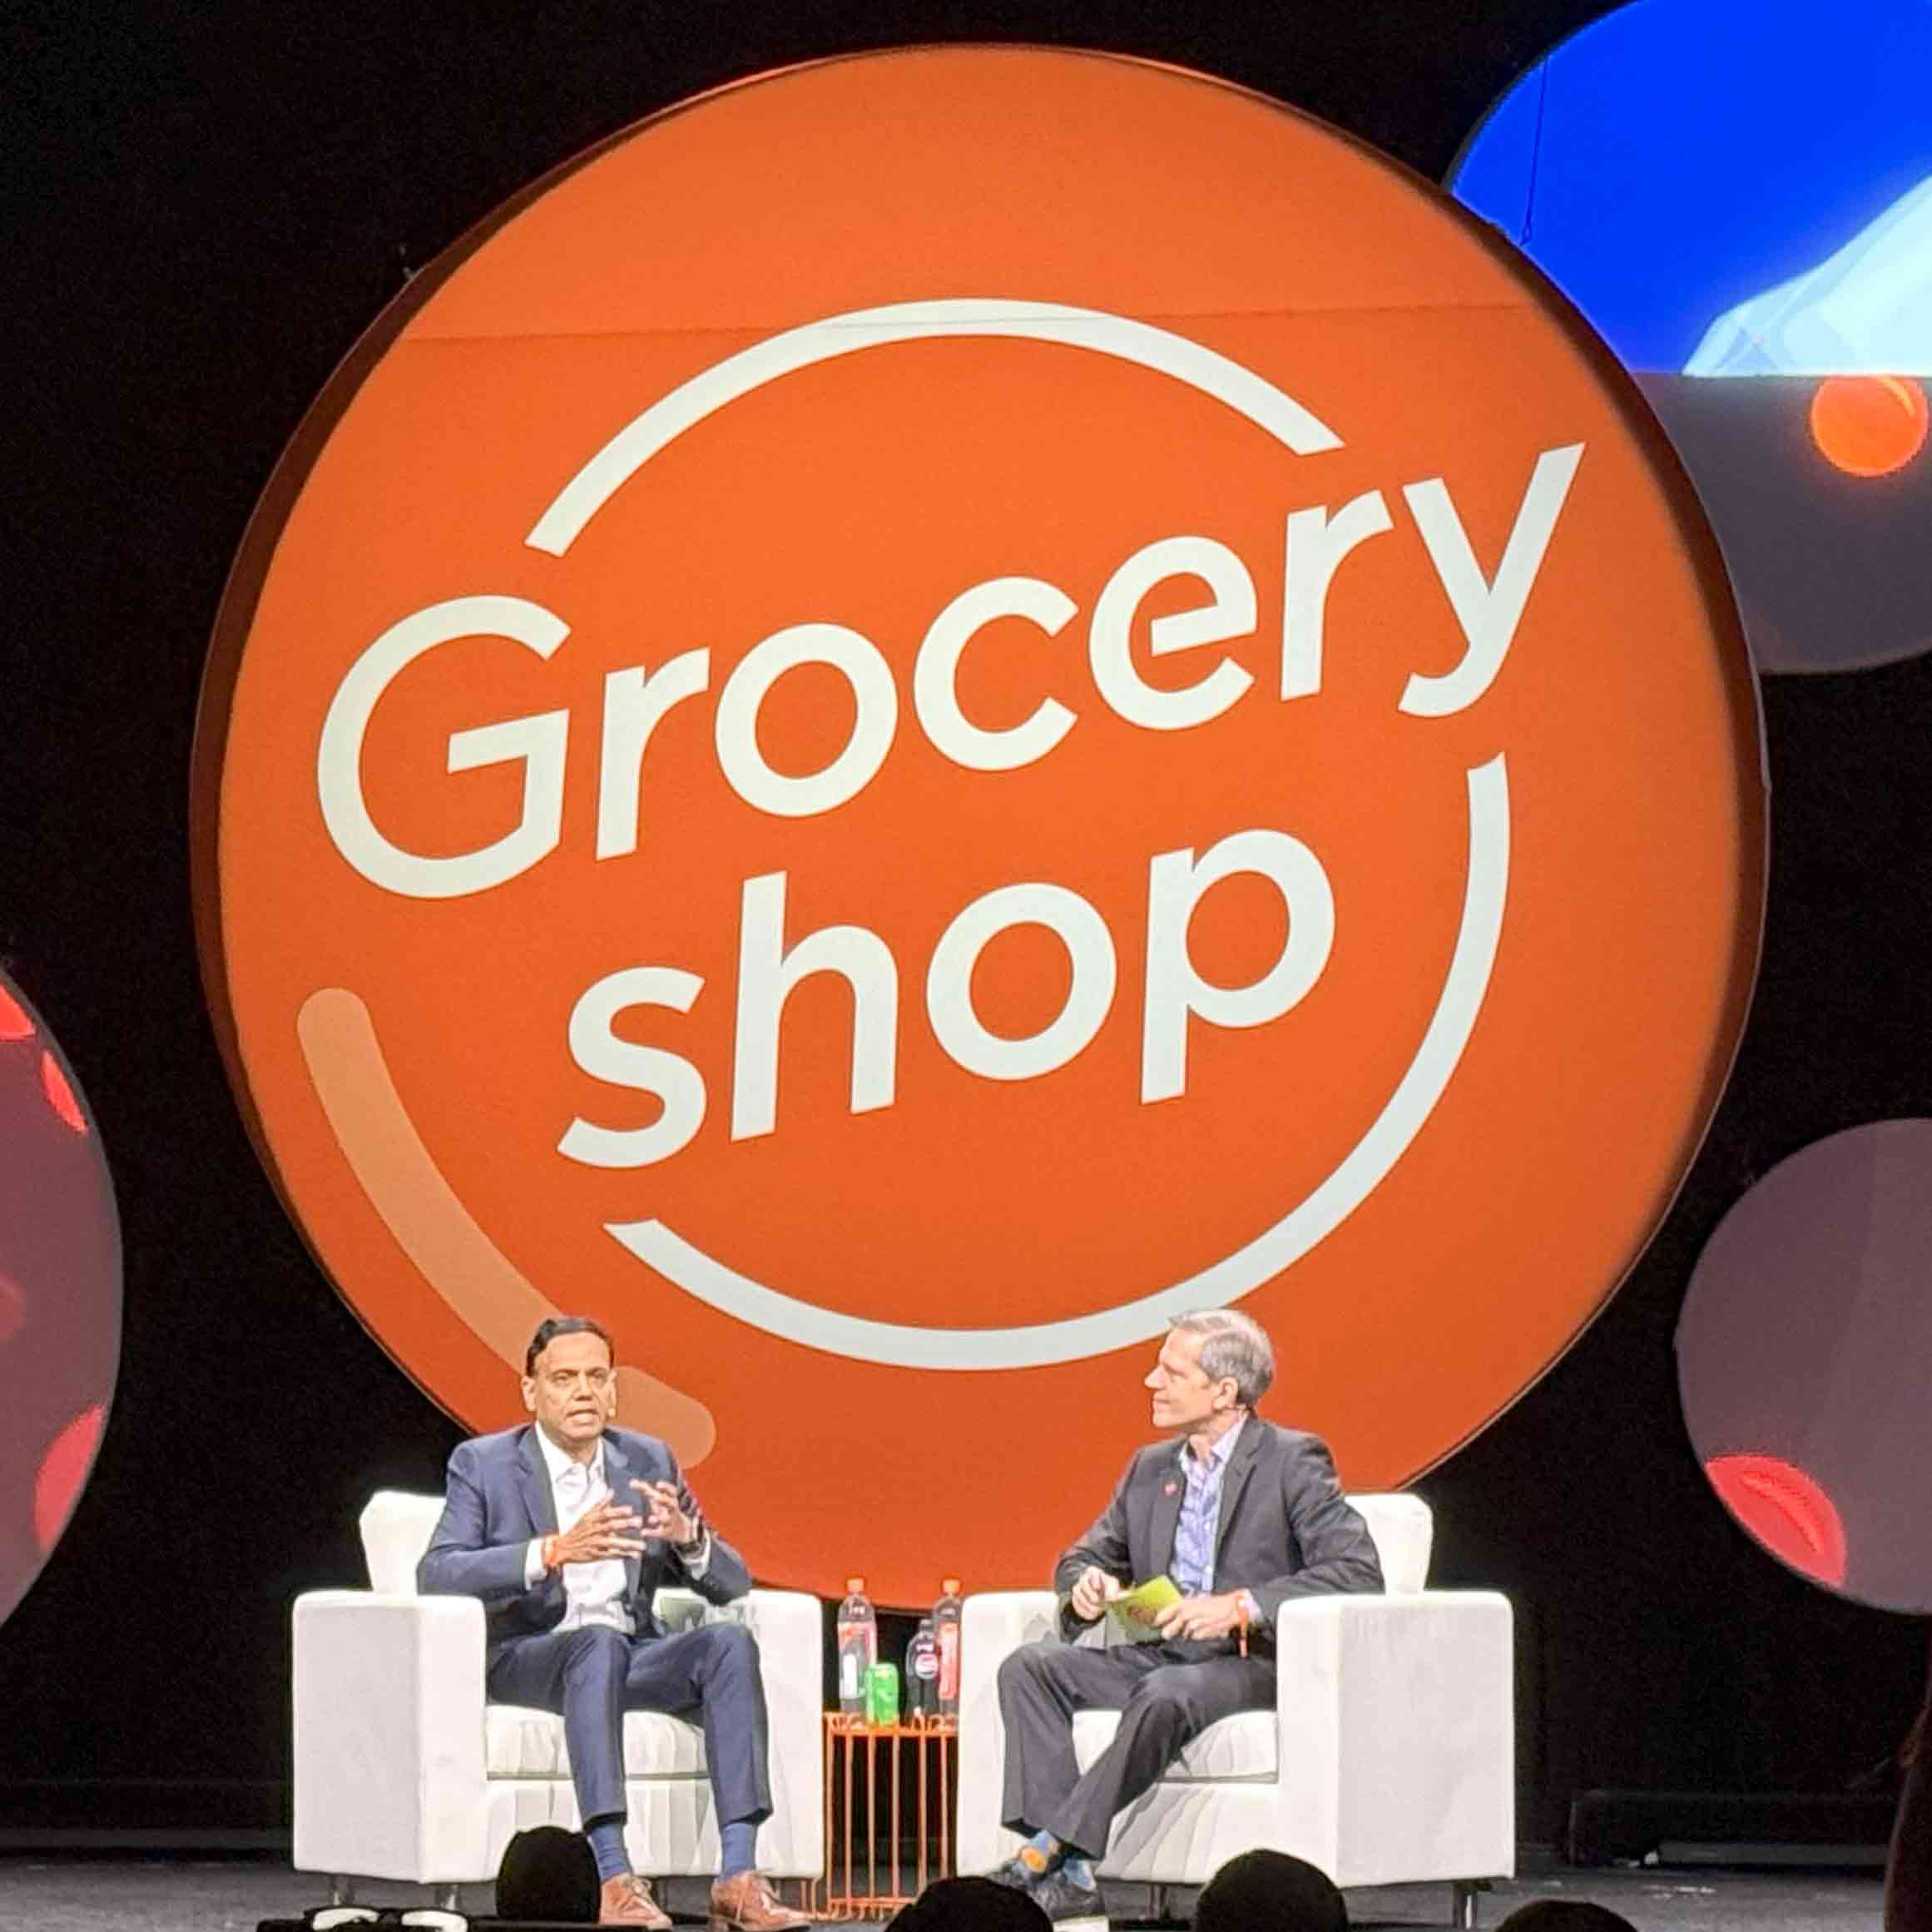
{"x": 1163, "y": 1692}
{"x": 733, "y": 1648}
{"x": 1027, "y": 1663}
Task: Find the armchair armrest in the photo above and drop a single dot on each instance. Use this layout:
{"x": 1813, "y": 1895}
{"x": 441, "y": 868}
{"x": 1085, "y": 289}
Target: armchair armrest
{"x": 789, "y": 1626}
{"x": 992, "y": 1625}
{"x": 388, "y": 1737}
{"x": 1402, "y": 1712}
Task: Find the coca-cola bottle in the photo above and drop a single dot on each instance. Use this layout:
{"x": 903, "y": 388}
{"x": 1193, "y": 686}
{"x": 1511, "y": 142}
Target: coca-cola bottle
{"x": 946, "y": 1638}
{"x": 922, "y": 1672}
{"x": 858, "y": 1646}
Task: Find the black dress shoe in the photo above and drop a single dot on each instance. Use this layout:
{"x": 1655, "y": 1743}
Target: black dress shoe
{"x": 1077, "y": 1908}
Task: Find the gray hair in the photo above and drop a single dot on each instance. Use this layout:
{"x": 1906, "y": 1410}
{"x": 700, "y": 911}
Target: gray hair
{"x": 1232, "y": 1344}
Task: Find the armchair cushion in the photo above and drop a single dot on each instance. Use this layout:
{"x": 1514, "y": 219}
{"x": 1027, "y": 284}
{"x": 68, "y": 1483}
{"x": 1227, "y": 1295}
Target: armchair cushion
{"x": 1236, "y": 1750}
{"x": 522, "y": 1743}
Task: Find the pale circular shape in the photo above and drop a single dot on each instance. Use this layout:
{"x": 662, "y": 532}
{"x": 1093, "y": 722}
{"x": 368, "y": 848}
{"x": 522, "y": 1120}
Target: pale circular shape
{"x": 1804, "y": 1341}
{"x": 59, "y": 1294}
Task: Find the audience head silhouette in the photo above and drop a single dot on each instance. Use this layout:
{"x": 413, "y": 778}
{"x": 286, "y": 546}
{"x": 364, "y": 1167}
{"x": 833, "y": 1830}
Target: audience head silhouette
{"x": 1564, "y": 1915}
{"x": 548, "y": 1873}
{"x": 1269, "y": 1891}
{"x": 971, "y": 1904}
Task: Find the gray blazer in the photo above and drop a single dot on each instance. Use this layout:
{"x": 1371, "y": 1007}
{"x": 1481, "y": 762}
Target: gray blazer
{"x": 1285, "y": 1530}
{"x": 498, "y": 1498}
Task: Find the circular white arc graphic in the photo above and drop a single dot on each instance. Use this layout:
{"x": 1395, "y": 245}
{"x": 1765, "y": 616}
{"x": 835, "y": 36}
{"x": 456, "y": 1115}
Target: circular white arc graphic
{"x": 1316, "y": 1217}
{"x": 1202, "y": 368}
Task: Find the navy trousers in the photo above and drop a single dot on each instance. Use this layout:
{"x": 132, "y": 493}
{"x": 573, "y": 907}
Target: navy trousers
{"x": 1165, "y": 1694}
{"x": 592, "y": 1677}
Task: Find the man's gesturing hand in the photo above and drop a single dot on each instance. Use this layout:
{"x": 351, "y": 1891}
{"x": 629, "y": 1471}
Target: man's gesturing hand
{"x": 605, "y": 1529}
{"x": 1094, "y": 1590}
{"x": 1201, "y": 1617}
{"x": 667, "y": 1518}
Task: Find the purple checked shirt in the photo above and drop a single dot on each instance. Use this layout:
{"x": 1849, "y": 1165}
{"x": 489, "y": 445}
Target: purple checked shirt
{"x": 1194, "y": 1534}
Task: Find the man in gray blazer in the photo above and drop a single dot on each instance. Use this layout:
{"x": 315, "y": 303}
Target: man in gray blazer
{"x": 566, "y": 1530}
{"x": 1244, "y": 1515}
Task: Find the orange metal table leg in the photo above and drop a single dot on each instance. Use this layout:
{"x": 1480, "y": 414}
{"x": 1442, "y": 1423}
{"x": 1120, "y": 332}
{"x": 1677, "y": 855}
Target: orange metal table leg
{"x": 945, "y": 1805}
{"x": 848, "y": 1769}
{"x": 925, "y": 1813}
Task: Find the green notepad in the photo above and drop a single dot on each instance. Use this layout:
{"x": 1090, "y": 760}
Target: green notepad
{"x": 1133, "y": 1611}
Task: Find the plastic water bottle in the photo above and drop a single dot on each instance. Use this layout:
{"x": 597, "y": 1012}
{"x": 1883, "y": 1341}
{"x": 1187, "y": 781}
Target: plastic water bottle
{"x": 946, "y": 1639}
{"x": 858, "y": 1646}
{"x": 922, "y": 1672}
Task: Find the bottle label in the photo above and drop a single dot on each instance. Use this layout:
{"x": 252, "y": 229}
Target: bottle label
{"x": 848, "y": 1674}
{"x": 949, "y": 1660}
{"x": 925, "y": 1665}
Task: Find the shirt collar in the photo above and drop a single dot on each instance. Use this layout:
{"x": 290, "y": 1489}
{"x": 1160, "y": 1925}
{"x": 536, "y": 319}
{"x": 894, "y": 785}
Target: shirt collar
{"x": 1218, "y": 1455}
{"x": 556, "y": 1461}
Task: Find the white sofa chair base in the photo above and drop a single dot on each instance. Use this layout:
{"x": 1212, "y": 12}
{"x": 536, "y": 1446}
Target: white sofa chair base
{"x": 1388, "y": 1758}
{"x": 404, "y": 1772}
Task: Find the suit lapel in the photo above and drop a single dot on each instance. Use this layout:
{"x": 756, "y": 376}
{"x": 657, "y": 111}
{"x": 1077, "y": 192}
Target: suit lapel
{"x": 533, "y": 1483}
{"x": 1234, "y": 1479}
{"x": 1169, "y": 1488}
{"x": 617, "y": 1474}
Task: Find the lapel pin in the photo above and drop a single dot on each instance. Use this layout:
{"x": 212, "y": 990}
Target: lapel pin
{"x": 1173, "y": 1488}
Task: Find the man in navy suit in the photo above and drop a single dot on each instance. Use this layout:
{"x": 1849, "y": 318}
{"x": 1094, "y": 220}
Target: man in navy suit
{"x": 566, "y": 1530}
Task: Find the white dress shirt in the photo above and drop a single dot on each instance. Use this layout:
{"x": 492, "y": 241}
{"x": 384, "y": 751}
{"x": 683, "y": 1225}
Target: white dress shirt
{"x": 593, "y": 1592}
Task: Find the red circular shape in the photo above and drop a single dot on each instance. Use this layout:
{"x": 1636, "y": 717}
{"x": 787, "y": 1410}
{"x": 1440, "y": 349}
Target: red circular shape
{"x": 1868, "y": 425}
{"x": 12, "y": 1308}
{"x": 14, "y": 1024}
{"x": 63, "y": 1470}
{"x": 1786, "y": 1509}
{"x": 60, "y": 1095}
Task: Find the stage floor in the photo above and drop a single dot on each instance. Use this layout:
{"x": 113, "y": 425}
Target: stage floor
{"x": 39, "y": 1894}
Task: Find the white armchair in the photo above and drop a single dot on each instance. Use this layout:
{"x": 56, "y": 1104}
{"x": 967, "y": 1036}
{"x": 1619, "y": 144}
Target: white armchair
{"x": 1389, "y": 1756}
{"x": 403, "y": 1772}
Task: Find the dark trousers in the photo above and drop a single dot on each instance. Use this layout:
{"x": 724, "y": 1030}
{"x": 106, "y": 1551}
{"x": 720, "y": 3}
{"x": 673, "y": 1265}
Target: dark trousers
{"x": 593, "y": 1676}
{"x": 1165, "y": 1694}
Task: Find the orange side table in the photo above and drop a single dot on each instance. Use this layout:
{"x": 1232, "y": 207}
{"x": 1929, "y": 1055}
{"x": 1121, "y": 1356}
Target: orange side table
{"x": 934, "y": 1742}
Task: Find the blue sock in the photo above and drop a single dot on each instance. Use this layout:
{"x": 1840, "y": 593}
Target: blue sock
{"x": 737, "y": 1848}
{"x": 607, "y": 1844}
{"x": 1042, "y": 1852}
{"x": 1078, "y": 1870}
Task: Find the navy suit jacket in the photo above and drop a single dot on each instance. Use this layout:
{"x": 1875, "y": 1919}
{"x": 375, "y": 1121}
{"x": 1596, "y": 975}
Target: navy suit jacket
{"x": 498, "y": 1498}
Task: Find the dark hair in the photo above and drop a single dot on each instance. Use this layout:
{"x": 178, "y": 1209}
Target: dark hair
{"x": 971, "y": 1904}
{"x": 1269, "y": 1891}
{"x": 1565, "y": 1915}
{"x": 549, "y": 1874}
{"x": 547, "y": 1332}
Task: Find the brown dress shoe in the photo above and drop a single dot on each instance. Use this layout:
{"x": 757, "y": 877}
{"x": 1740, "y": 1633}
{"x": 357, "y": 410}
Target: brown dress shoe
{"x": 626, "y": 1900}
{"x": 746, "y": 1903}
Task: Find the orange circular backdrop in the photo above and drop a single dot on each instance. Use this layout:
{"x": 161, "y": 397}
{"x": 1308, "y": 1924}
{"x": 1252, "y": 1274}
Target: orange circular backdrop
{"x": 939, "y": 705}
